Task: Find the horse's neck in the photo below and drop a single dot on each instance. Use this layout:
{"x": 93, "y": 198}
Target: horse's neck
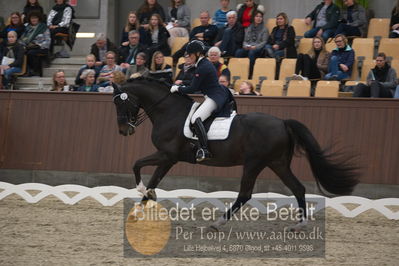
{"x": 160, "y": 105}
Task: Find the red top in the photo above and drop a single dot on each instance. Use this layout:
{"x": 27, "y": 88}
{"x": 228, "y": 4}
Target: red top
{"x": 246, "y": 17}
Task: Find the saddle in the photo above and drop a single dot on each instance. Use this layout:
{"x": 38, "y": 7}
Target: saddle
{"x": 218, "y": 128}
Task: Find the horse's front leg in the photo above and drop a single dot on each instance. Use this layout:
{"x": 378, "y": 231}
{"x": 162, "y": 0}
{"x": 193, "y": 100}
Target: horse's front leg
{"x": 159, "y": 173}
{"x": 158, "y": 158}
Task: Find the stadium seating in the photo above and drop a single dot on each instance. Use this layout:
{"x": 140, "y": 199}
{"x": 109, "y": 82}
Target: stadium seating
{"x": 300, "y": 26}
{"x": 364, "y": 47}
{"x": 239, "y": 67}
{"x": 327, "y": 88}
{"x": 272, "y": 88}
{"x": 330, "y": 45}
{"x": 395, "y": 65}
{"x": 264, "y": 67}
{"x": 270, "y": 24}
{"x": 178, "y": 43}
{"x": 390, "y": 47}
{"x": 367, "y": 65}
{"x": 287, "y": 68}
{"x": 305, "y": 44}
{"x": 298, "y": 88}
{"x": 378, "y": 28}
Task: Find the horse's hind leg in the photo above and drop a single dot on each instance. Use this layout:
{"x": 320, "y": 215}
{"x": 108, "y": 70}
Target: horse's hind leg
{"x": 283, "y": 170}
{"x": 250, "y": 173}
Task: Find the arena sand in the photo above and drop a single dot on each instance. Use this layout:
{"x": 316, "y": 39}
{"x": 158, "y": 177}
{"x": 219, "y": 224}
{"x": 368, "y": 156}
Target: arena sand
{"x": 53, "y": 233}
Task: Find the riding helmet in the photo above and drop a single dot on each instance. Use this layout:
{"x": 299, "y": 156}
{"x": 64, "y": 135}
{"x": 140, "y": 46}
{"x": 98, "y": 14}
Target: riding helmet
{"x": 195, "y": 47}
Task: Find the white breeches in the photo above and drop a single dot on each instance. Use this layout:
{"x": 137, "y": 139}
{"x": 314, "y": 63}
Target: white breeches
{"x": 205, "y": 110}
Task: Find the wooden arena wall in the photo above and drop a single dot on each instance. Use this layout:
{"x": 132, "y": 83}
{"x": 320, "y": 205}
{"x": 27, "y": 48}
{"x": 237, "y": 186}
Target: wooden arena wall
{"x": 78, "y": 132}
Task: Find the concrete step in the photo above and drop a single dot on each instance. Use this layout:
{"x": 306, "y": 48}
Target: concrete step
{"x": 32, "y": 88}
{"x": 32, "y": 82}
{"x": 70, "y": 71}
{"x": 59, "y": 66}
{"x": 74, "y": 60}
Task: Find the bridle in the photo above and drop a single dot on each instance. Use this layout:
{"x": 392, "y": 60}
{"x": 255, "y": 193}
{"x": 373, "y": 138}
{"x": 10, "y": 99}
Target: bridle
{"x": 142, "y": 116}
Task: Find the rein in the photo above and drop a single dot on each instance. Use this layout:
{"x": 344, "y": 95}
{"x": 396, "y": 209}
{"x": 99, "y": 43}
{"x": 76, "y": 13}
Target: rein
{"x": 142, "y": 116}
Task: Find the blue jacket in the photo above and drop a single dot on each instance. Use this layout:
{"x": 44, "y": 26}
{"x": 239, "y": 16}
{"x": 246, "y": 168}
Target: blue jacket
{"x": 206, "y": 80}
{"x": 346, "y": 57}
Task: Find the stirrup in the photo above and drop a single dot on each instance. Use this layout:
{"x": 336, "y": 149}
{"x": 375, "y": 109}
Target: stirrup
{"x": 202, "y": 154}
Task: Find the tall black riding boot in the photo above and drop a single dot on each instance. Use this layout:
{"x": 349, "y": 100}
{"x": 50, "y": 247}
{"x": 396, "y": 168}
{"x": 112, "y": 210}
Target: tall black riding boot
{"x": 199, "y": 130}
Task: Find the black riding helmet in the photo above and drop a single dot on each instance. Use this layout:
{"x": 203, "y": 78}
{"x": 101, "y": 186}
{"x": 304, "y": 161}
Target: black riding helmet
{"x": 195, "y": 47}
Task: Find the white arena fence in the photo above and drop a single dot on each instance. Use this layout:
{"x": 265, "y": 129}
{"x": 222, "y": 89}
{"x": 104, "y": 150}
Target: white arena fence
{"x": 119, "y": 193}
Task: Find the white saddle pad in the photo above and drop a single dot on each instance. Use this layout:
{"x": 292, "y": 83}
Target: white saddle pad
{"x": 219, "y": 129}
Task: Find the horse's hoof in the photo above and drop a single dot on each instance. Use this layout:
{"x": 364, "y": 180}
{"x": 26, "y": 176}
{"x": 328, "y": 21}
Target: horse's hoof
{"x": 151, "y": 194}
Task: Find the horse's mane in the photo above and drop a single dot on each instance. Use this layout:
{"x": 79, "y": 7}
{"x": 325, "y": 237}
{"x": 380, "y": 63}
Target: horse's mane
{"x": 165, "y": 85}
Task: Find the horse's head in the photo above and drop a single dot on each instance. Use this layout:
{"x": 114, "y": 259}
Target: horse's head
{"x": 127, "y": 109}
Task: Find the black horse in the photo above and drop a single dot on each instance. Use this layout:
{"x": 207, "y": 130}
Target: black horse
{"x": 256, "y": 141}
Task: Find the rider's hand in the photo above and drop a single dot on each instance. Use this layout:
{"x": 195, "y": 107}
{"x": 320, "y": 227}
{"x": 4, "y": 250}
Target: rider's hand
{"x": 174, "y": 88}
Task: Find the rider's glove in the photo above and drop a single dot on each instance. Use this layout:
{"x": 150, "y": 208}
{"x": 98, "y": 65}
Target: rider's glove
{"x": 175, "y": 88}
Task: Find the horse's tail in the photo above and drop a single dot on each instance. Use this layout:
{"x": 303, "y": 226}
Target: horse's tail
{"x": 336, "y": 174}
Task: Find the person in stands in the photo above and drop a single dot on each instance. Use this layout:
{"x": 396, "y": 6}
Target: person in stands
{"x": 381, "y": 81}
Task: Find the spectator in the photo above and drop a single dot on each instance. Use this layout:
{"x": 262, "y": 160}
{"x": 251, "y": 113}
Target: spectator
{"x": 178, "y": 16}
{"x": 90, "y": 64}
{"x": 325, "y": 20}
{"x": 159, "y": 69}
{"x": 396, "y": 96}
{"x": 281, "y": 42}
{"x": 89, "y": 78}
{"x": 132, "y": 24}
{"x": 230, "y": 37}
{"x": 248, "y": 89}
{"x": 59, "y": 82}
{"x": 116, "y": 77}
{"x": 214, "y": 57}
{"x": 107, "y": 69}
{"x": 220, "y": 18}
{"x": 11, "y": 59}
{"x": 381, "y": 81}
{"x": 254, "y": 41}
{"x": 206, "y": 33}
{"x": 246, "y": 12}
{"x": 353, "y": 20}
{"x": 127, "y": 54}
{"x": 31, "y": 6}
{"x": 186, "y": 73}
{"x": 313, "y": 64}
{"x": 225, "y": 81}
{"x": 15, "y": 25}
{"x": 101, "y": 47}
{"x": 147, "y": 9}
{"x": 59, "y": 19}
{"x": 139, "y": 69}
{"x": 341, "y": 61}
{"x": 156, "y": 37}
{"x": 395, "y": 22}
{"x": 36, "y": 41}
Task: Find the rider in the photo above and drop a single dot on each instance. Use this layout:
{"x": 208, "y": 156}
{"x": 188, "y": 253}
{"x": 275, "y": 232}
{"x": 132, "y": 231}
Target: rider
{"x": 216, "y": 96}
